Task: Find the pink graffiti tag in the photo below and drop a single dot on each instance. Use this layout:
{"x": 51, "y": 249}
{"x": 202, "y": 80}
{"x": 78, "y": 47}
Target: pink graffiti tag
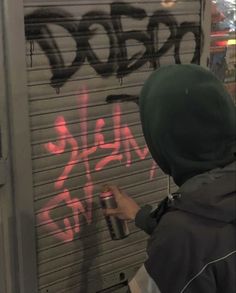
{"x": 122, "y": 137}
{"x": 64, "y": 137}
{"x": 76, "y": 206}
{"x": 115, "y": 146}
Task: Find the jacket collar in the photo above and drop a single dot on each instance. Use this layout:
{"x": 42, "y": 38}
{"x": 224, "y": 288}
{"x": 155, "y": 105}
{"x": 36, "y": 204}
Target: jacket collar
{"x": 211, "y": 195}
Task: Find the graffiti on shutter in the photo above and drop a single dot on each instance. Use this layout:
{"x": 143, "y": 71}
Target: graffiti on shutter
{"x": 87, "y": 61}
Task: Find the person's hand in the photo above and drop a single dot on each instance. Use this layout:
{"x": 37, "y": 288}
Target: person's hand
{"x": 126, "y": 209}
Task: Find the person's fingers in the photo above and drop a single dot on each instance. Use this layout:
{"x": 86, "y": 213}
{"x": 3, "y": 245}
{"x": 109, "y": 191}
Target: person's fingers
{"x": 116, "y": 191}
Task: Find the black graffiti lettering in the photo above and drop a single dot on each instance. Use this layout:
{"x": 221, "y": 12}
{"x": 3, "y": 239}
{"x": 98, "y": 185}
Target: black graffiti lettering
{"x": 161, "y": 17}
{"x": 183, "y": 29}
{"x": 122, "y": 98}
{"x": 40, "y": 18}
{"x": 125, "y": 65}
{"x": 104, "y": 69}
{"x": 37, "y": 29}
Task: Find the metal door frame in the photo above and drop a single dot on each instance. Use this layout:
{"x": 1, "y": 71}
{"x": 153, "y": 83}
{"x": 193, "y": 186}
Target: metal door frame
{"x": 206, "y": 29}
{"x": 7, "y": 250}
{"x": 18, "y": 150}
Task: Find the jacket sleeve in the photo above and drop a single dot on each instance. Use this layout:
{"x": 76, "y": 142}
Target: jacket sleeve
{"x": 149, "y": 216}
{"x": 144, "y": 219}
{"x": 174, "y": 258}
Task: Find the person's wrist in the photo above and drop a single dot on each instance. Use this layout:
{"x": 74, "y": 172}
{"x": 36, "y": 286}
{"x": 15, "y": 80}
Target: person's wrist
{"x": 135, "y": 212}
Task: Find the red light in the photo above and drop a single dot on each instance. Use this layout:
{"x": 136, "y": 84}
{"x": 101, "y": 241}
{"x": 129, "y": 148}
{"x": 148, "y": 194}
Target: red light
{"x": 225, "y": 43}
{"x": 221, "y": 43}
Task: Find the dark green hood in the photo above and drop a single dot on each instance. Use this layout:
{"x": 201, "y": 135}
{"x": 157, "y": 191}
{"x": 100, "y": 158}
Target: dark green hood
{"x": 189, "y": 121}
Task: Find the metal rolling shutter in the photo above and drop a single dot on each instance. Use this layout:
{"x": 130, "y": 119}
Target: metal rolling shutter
{"x": 85, "y": 60}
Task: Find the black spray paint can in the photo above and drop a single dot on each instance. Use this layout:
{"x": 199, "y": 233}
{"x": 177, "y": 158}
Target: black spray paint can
{"x": 118, "y": 228}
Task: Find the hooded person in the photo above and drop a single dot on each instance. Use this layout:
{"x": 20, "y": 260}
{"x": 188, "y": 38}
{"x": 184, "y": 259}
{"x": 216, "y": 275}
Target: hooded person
{"x": 189, "y": 124}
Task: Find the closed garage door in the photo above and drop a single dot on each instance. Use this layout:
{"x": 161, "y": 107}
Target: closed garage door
{"x": 87, "y": 61}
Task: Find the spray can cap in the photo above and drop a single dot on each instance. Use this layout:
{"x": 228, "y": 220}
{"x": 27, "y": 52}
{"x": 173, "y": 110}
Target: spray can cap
{"x": 106, "y": 191}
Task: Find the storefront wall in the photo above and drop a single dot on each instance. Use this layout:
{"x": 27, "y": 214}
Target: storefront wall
{"x": 74, "y": 72}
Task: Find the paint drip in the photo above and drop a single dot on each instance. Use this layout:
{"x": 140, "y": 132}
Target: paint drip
{"x": 31, "y": 53}
{"x": 121, "y": 81}
{"x": 58, "y": 89}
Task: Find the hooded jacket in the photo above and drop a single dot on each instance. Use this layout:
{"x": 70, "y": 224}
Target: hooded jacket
{"x": 189, "y": 124}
